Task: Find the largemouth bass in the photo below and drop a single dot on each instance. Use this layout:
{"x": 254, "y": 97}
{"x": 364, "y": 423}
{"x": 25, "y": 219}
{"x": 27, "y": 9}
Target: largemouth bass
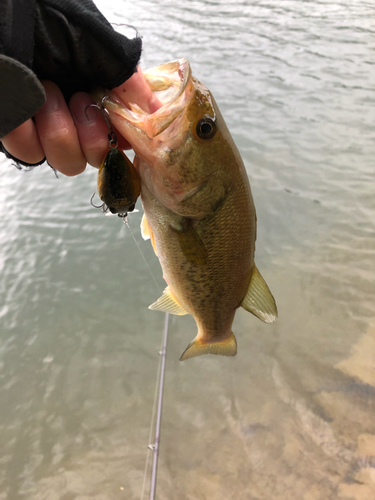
{"x": 198, "y": 208}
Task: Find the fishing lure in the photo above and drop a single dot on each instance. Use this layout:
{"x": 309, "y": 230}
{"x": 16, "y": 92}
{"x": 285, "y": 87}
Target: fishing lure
{"x": 118, "y": 181}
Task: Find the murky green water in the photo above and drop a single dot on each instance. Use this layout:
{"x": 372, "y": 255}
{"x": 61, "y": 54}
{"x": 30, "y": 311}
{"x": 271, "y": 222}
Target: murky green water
{"x": 292, "y": 416}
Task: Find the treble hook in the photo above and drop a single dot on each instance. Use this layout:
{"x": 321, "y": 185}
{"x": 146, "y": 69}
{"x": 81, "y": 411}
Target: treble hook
{"x": 106, "y": 210}
{"x": 105, "y": 114}
{"x": 102, "y": 206}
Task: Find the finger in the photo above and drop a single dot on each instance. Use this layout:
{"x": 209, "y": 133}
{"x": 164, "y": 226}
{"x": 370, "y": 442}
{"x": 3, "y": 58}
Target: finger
{"x": 92, "y": 129}
{"x": 57, "y": 133}
{"x": 137, "y": 90}
{"x": 23, "y": 143}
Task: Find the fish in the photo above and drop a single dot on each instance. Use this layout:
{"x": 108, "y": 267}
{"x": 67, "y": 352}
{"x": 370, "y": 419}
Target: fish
{"x": 199, "y": 211}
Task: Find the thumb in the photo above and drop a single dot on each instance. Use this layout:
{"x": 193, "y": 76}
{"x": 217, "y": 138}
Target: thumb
{"x": 136, "y": 90}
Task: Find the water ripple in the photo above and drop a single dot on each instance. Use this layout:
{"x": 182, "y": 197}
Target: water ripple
{"x": 293, "y": 413}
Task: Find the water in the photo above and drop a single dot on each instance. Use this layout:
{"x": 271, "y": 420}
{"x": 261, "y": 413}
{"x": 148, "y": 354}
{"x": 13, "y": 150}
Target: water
{"x": 293, "y": 415}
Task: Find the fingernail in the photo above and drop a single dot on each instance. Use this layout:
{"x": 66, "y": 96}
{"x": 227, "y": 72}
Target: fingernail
{"x": 83, "y": 113}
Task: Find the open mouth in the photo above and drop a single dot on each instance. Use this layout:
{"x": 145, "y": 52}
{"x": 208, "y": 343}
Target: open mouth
{"x": 170, "y": 83}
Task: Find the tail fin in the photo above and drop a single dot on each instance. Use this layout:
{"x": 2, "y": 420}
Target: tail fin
{"x": 227, "y": 347}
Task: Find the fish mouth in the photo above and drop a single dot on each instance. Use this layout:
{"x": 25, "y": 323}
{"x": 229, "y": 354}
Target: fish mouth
{"x": 172, "y": 85}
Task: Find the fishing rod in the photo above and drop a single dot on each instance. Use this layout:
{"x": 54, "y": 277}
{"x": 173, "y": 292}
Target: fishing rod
{"x": 155, "y": 445}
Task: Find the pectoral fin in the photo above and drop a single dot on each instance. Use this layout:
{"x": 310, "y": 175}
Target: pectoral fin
{"x": 145, "y": 230}
{"x": 147, "y": 233}
{"x": 227, "y": 347}
{"x": 259, "y": 300}
{"x": 168, "y": 303}
{"x": 191, "y": 244}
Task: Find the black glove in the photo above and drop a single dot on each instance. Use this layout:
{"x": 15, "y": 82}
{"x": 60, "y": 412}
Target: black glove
{"x": 66, "y": 41}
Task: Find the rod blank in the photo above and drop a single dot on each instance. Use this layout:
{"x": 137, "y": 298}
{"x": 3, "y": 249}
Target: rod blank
{"x": 155, "y": 446}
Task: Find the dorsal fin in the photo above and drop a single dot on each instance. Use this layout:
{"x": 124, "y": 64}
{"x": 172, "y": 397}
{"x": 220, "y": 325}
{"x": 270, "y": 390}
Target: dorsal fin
{"x": 168, "y": 303}
{"x": 259, "y": 300}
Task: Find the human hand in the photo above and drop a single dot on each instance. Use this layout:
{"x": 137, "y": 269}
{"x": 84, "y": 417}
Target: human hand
{"x": 66, "y": 136}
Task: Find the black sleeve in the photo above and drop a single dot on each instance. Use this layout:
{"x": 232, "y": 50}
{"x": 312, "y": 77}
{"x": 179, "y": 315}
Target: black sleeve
{"x": 78, "y": 49}
{"x": 66, "y": 41}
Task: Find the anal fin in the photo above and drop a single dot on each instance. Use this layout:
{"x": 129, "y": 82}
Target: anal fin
{"x": 259, "y": 300}
{"x": 227, "y": 347}
{"x": 167, "y": 303}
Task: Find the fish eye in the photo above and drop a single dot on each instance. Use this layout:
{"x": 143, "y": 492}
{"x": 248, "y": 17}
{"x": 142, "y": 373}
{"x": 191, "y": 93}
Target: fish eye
{"x": 206, "y": 128}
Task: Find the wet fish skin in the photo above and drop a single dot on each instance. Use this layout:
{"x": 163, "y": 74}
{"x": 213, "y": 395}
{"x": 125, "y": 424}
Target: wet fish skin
{"x": 199, "y": 211}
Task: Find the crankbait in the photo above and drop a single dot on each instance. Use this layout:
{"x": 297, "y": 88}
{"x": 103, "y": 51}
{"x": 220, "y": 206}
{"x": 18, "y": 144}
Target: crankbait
{"x": 118, "y": 181}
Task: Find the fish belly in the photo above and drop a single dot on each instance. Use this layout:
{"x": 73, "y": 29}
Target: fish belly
{"x": 211, "y": 290}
